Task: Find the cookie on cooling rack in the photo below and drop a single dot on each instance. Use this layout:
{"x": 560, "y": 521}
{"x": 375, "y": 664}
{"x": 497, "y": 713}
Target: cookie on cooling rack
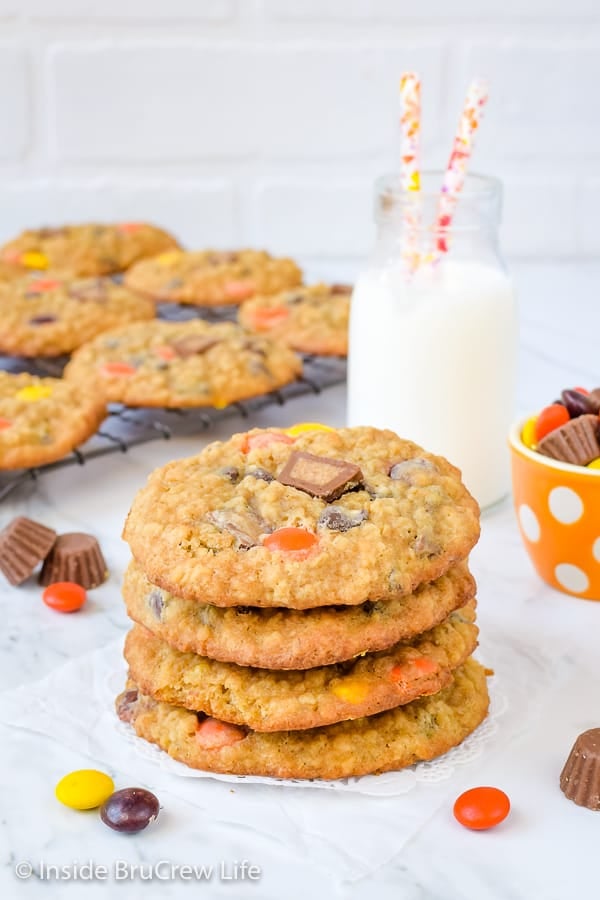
{"x": 316, "y": 519}
{"x": 400, "y": 737}
{"x": 183, "y": 364}
{"x": 89, "y": 249}
{"x": 212, "y": 277}
{"x": 310, "y": 319}
{"x": 43, "y": 315}
{"x": 43, "y": 419}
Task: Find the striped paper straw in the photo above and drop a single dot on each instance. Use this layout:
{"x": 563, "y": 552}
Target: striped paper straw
{"x": 460, "y": 156}
{"x": 410, "y": 179}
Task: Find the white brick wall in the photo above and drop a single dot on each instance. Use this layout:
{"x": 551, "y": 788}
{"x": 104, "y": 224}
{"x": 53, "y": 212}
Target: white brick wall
{"x": 265, "y": 121}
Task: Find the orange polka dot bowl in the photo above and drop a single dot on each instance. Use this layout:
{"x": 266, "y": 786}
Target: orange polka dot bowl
{"x": 558, "y": 512}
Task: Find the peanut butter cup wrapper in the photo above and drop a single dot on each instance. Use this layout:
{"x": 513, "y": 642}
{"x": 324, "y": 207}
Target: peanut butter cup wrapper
{"x": 580, "y": 778}
{"x": 23, "y": 544}
{"x": 574, "y": 442}
{"x": 75, "y": 557}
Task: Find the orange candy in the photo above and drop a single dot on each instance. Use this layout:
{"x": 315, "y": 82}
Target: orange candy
{"x": 129, "y": 226}
{"x": 4, "y": 423}
{"x": 264, "y": 439}
{"x": 550, "y": 418}
{"x": 64, "y": 596}
{"x": 405, "y": 671}
{"x": 165, "y": 352}
{"x": 212, "y": 734}
{"x": 268, "y": 317}
{"x": 43, "y": 284}
{"x": 239, "y": 290}
{"x": 290, "y": 540}
{"x": 117, "y": 368}
{"x": 481, "y": 808}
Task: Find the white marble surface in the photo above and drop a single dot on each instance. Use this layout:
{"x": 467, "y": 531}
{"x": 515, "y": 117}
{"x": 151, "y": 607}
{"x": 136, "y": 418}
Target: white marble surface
{"x": 534, "y": 854}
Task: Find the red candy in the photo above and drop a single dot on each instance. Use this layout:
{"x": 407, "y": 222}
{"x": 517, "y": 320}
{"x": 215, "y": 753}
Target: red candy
{"x": 264, "y": 439}
{"x": 550, "y": 418}
{"x": 64, "y": 596}
{"x": 481, "y": 808}
{"x": 290, "y": 540}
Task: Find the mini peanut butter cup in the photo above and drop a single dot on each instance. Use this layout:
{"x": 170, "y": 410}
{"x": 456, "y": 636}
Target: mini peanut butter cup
{"x": 23, "y": 544}
{"x": 580, "y": 778}
{"x": 594, "y": 400}
{"x": 574, "y": 442}
{"x": 75, "y": 557}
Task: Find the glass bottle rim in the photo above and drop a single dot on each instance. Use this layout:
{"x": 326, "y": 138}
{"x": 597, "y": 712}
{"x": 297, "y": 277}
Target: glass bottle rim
{"x": 477, "y": 186}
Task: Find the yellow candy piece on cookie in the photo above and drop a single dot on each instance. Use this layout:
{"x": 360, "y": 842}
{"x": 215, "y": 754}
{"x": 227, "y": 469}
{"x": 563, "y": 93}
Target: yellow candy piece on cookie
{"x": 34, "y": 260}
{"x": 528, "y": 433}
{"x": 303, "y": 427}
{"x": 352, "y": 690}
{"x": 595, "y": 464}
{"x": 165, "y": 259}
{"x": 84, "y": 789}
{"x": 34, "y": 392}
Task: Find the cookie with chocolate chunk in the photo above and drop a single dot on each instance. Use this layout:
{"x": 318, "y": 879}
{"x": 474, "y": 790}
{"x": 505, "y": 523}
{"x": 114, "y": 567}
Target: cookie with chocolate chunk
{"x": 271, "y": 700}
{"x": 213, "y": 277}
{"x": 88, "y": 249}
{"x": 312, "y": 319}
{"x": 183, "y": 364}
{"x": 288, "y": 638}
{"x": 45, "y": 315}
{"x": 400, "y": 737}
{"x": 230, "y": 526}
{"x": 43, "y": 419}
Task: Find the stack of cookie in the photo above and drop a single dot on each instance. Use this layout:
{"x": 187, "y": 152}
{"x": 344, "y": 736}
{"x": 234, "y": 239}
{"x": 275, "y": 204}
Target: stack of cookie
{"x": 303, "y": 606}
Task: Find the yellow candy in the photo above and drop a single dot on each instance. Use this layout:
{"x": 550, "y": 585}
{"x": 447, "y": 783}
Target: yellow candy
{"x": 84, "y": 789}
{"x": 302, "y": 427}
{"x": 34, "y": 392}
{"x": 352, "y": 690}
{"x": 528, "y": 433}
{"x": 165, "y": 259}
{"x": 34, "y": 260}
{"x": 595, "y": 464}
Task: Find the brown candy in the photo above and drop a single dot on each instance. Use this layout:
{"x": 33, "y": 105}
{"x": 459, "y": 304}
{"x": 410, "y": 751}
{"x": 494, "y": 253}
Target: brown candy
{"x": 246, "y": 529}
{"x": 574, "y": 442}
{"x": 193, "y": 344}
{"x": 580, "y": 778}
{"x": 594, "y": 400}
{"x": 341, "y": 288}
{"x": 125, "y": 705}
{"x": 75, "y": 557}
{"x": 23, "y": 544}
{"x": 319, "y": 476}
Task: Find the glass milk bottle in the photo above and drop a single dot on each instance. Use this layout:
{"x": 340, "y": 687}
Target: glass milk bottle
{"x": 433, "y": 346}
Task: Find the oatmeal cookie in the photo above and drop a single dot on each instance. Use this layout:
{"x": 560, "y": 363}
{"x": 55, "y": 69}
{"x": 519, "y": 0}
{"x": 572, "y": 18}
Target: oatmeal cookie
{"x": 269, "y": 700}
{"x": 287, "y": 638}
{"x": 318, "y": 519}
{"x": 395, "y": 739}
{"x": 183, "y": 364}
{"x": 212, "y": 277}
{"x": 43, "y": 419}
{"x": 48, "y": 316}
{"x": 89, "y": 249}
{"x": 309, "y": 319}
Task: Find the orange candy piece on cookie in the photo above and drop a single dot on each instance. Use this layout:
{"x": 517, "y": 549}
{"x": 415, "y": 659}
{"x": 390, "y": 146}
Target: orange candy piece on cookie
{"x": 291, "y": 540}
{"x": 264, "y": 439}
{"x": 212, "y": 734}
{"x": 239, "y": 290}
{"x": 269, "y": 317}
{"x": 4, "y": 423}
{"x": 117, "y": 368}
{"x": 406, "y": 671}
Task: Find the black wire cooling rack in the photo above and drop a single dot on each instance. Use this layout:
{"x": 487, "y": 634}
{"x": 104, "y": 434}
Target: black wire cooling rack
{"x": 126, "y": 427}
